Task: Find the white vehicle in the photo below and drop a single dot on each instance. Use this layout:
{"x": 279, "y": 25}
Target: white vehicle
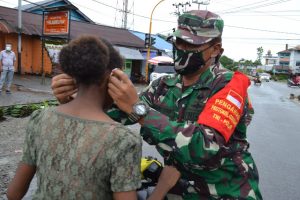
{"x": 264, "y": 76}
{"x": 161, "y": 70}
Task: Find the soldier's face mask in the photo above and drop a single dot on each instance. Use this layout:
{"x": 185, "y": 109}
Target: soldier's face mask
{"x": 188, "y": 62}
{"x": 8, "y": 47}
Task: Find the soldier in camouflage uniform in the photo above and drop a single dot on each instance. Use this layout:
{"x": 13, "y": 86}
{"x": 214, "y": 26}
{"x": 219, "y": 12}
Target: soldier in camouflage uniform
{"x": 212, "y": 155}
{"x": 198, "y": 118}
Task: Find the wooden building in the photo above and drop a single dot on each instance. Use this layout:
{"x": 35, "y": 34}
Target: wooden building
{"x": 31, "y": 61}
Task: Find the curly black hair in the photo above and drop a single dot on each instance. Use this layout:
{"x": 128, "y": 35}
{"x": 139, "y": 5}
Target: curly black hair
{"x": 86, "y": 59}
{"x": 115, "y": 58}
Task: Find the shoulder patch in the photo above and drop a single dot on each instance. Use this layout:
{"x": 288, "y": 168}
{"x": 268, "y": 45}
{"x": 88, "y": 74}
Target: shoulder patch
{"x": 224, "y": 109}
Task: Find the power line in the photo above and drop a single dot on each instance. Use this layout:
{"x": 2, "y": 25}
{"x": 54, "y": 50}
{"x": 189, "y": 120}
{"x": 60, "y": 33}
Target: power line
{"x": 279, "y": 16}
{"x": 168, "y": 21}
{"x": 261, "y": 43}
{"x": 257, "y": 6}
{"x": 243, "y": 6}
{"x": 273, "y": 11}
{"x": 255, "y": 29}
{"x": 263, "y": 12}
{"x": 34, "y": 3}
{"x": 241, "y": 38}
{"x": 134, "y": 14}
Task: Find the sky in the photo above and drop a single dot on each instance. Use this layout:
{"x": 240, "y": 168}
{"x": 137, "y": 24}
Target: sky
{"x": 270, "y": 24}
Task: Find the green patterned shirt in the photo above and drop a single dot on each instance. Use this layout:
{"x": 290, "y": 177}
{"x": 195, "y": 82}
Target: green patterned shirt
{"x": 81, "y": 159}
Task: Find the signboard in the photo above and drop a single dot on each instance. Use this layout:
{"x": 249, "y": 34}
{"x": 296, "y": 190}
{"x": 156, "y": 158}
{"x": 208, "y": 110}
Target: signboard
{"x": 56, "y": 23}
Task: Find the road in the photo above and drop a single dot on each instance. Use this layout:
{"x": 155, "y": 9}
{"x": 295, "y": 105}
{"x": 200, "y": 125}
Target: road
{"x": 274, "y": 136}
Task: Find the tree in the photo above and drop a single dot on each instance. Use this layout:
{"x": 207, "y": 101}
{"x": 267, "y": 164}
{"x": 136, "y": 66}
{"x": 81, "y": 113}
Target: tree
{"x": 260, "y": 51}
{"x": 228, "y": 63}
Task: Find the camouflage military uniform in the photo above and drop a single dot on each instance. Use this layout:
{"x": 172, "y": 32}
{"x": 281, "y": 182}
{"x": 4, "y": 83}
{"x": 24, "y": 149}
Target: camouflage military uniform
{"x": 219, "y": 170}
{"x": 81, "y": 159}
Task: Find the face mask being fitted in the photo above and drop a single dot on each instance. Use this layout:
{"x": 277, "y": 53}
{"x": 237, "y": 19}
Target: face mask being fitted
{"x": 188, "y": 62}
{"x": 8, "y": 47}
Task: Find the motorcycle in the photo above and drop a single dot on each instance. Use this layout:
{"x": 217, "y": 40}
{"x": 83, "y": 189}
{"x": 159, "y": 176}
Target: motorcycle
{"x": 150, "y": 171}
{"x": 257, "y": 81}
{"x": 294, "y": 81}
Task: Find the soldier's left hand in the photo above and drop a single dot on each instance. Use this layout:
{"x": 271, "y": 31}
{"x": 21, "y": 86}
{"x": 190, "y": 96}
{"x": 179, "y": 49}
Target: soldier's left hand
{"x": 122, "y": 90}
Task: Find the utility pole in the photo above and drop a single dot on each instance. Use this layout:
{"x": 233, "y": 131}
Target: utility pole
{"x": 125, "y": 12}
{"x": 182, "y": 5}
{"x": 122, "y": 19}
{"x": 201, "y": 2}
{"x": 19, "y": 35}
{"x": 148, "y": 48}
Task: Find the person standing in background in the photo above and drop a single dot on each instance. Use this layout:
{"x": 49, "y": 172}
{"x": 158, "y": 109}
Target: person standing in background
{"x": 7, "y": 58}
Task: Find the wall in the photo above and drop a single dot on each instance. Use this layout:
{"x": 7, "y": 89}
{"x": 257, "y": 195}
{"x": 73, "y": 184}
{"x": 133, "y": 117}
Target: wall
{"x": 295, "y": 57}
{"x": 31, "y": 53}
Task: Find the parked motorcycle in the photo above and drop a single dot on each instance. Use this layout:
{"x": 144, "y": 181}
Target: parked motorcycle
{"x": 150, "y": 171}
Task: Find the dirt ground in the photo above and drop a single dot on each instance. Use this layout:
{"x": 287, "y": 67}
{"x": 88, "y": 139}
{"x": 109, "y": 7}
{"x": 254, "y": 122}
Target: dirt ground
{"x": 12, "y": 132}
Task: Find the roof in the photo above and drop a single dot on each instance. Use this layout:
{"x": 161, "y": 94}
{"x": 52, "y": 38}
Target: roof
{"x": 32, "y": 25}
{"x": 160, "y": 43}
{"x": 38, "y": 6}
{"x": 285, "y": 51}
{"x": 131, "y": 54}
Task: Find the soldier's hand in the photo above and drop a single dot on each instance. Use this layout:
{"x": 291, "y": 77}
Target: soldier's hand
{"x": 121, "y": 89}
{"x": 63, "y": 87}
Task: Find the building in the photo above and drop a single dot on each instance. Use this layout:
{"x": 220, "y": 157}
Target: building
{"x": 160, "y": 48}
{"x": 270, "y": 60}
{"x": 288, "y": 60}
{"x": 128, "y": 44}
{"x": 295, "y": 59}
{"x": 269, "y": 63}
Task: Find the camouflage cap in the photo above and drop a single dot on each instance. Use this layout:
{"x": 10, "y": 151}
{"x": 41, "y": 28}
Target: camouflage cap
{"x": 199, "y": 26}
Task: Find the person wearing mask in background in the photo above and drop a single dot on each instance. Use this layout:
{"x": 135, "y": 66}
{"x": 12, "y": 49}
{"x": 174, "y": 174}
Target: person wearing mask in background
{"x": 76, "y": 150}
{"x": 197, "y": 118}
{"x": 7, "y": 62}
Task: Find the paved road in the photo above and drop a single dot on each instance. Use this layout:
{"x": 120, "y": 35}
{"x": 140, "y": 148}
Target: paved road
{"x": 274, "y": 135}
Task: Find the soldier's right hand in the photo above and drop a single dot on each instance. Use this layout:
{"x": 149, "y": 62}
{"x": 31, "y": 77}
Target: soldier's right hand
{"x": 63, "y": 87}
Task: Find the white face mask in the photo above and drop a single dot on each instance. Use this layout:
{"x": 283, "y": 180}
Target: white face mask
{"x": 8, "y": 47}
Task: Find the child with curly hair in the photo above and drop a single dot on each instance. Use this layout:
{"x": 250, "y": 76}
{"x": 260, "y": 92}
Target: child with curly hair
{"x": 76, "y": 150}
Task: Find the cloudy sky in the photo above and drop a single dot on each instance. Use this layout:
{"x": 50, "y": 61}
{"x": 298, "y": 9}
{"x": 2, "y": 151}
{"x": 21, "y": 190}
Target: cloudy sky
{"x": 248, "y": 24}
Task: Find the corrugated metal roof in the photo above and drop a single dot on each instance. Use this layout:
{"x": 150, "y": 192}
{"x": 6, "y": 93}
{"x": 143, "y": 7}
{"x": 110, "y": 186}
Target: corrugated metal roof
{"x": 131, "y": 54}
{"x": 32, "y": 25}
{"x": 37, "y": 7}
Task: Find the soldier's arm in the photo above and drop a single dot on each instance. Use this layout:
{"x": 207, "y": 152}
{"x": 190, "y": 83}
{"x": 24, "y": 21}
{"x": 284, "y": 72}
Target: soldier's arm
{"x": 190, "y": 142}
